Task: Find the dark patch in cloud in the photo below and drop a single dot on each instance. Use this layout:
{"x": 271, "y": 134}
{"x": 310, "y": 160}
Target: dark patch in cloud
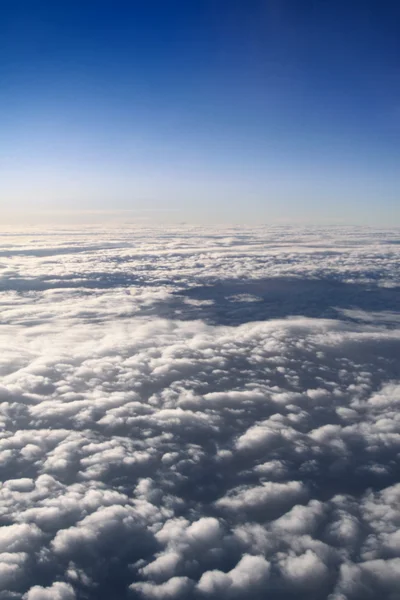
{"x": 57, "y": 250}
{"x": 77, "y": 280}
{"x": 236, "y": 302}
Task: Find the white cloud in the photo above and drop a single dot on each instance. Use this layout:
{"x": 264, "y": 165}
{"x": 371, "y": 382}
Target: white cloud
{"x": 162, "y": 436}
{"x": 250, "y": 575}
{"x": 57, "y": 591}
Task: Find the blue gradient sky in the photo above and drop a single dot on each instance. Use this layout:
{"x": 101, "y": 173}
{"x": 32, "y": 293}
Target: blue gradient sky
{"x": 243, "y": 110}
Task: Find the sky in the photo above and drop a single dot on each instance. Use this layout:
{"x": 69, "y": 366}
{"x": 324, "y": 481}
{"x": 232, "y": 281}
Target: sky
{"x": 227, "y": 111}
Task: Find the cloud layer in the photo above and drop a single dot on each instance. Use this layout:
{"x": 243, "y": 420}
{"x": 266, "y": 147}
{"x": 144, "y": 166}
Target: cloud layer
{"x": 163, "y": 437}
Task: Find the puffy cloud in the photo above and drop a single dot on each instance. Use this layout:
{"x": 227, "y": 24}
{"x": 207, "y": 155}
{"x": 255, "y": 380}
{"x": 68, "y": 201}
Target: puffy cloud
{"x": 306, "y": 571}
{"x": 176, "y": 587}
{"x": 200, "y": 414}
{"x": 19, "y": 537}
{"x": 57, "y": 591}
{"x": 249, "y": 576}
{"x": 267, "y": 499}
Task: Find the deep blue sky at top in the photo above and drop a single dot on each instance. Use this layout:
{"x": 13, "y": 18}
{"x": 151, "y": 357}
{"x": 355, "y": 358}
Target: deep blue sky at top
{"x": 273, "y": 108}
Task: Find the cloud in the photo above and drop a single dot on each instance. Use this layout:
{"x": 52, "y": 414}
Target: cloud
{"x": 163, "y": 437}
{"x": 250, "y": 575}
{"x": 57, "y": 591}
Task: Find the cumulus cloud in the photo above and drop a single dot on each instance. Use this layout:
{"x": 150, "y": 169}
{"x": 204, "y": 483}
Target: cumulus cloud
{"x": 57, "y": 591}
{"x": 200, "y": 414}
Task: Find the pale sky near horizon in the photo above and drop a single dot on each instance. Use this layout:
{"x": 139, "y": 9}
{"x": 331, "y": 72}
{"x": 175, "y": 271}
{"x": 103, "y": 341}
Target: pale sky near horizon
{"x": 259, "y": 111}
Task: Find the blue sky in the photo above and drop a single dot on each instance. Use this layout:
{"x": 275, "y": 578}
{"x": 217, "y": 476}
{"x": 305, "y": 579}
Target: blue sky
{"x": 244, "y": 111}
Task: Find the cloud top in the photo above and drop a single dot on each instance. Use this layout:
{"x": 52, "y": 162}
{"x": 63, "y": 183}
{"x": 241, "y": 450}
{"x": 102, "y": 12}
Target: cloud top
{"x": 149, "y": 451}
